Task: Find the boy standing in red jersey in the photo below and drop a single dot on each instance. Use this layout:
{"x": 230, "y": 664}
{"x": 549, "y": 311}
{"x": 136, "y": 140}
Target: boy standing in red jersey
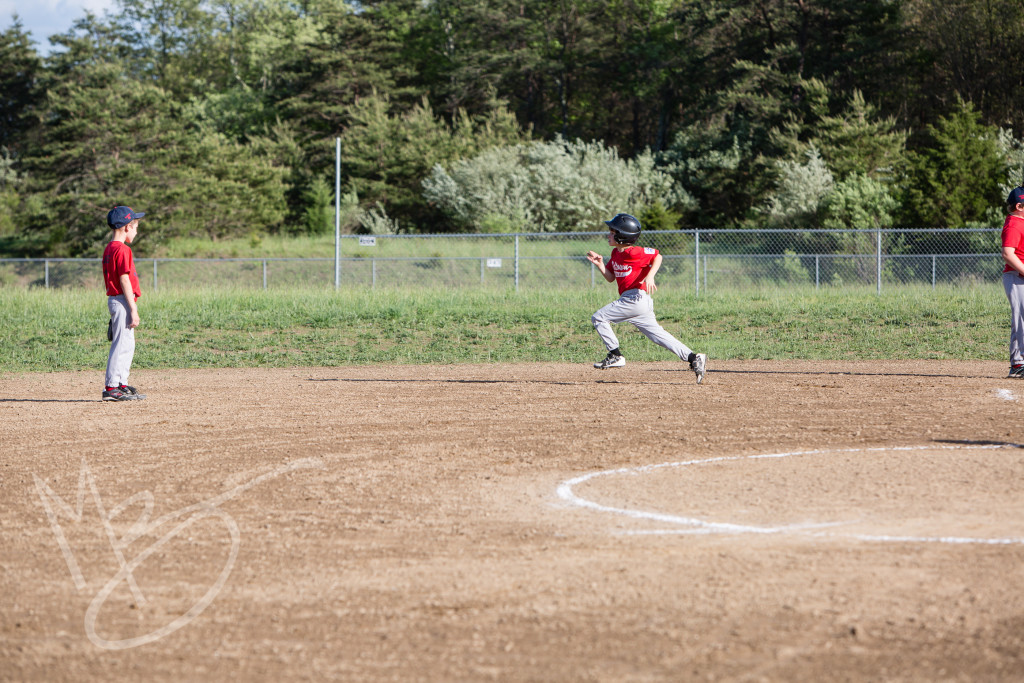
{"x": 123, "y": 291}
{"x": 633, "y": 269}
{"x": 1013, "y": 277}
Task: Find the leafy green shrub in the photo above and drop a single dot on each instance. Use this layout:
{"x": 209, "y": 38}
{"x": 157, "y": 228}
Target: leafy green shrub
{"x": 375, "y": 221}
{"x": 859, "y": 202}
{"x": 657, "y": 216}
{"x": 801, "y": 191}
{"x": 546, "y": 187}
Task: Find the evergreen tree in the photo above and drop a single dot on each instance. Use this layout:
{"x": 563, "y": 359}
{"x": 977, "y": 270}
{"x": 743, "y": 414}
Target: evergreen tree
{"x": 465, "y": 52}
{"x": 954, "y": 174}
{"x": 167, "y": 40}
{"x": 109, "y": 139}
{"x": 963, "y": 50}
{"x": 856, "y": 140}
{"x": 643, "y": 75}
{"x": 353, "y": 55}
{"x": 20, "y": 99}
{"x": 20, "y": 69}
{"x": 726, "y": 162}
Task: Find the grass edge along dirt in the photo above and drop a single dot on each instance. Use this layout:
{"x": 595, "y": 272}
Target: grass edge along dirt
{"x": 51, "y": 330}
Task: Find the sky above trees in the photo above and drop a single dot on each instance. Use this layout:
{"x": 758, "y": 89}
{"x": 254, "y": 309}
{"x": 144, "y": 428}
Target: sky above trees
{"x": 44, "y": 18}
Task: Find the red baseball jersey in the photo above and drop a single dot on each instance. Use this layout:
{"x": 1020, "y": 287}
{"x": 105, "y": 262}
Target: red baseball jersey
{"x": 118, "y": 260}
{"x": 1013, "y": 236}
{"x": 631, "y": 265}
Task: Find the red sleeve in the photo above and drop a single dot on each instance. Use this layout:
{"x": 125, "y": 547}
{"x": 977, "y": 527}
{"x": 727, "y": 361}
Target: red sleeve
{"x": 1012, "y": 232}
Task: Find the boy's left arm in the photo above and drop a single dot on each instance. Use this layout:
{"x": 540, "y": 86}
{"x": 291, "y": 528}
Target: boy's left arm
{"x": 649, "y": 280}
{"x": 129, "y": 296}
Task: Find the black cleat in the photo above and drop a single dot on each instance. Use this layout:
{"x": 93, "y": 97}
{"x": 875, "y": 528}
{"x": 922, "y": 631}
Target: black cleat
{"x": 612, "y": 360}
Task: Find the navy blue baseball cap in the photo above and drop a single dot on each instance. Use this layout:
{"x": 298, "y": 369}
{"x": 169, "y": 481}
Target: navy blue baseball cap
{"x": 1016, "y": 197}
{"x": 121, "y": 216}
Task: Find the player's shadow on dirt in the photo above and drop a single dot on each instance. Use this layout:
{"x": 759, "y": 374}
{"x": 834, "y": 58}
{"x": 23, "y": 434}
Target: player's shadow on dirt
{"x": 607, "y": 379}
{"x": 979, "y": 442}
{"x": 48, "y": 400}
{"x": 829, "y": 372}
{"x": 442, "y": 381}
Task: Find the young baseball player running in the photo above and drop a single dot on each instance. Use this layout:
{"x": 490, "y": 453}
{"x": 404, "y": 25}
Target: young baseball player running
{"x": 1013, "y": 277}
{"x": 633, "y": 268}
{"x": 122, "y": 293}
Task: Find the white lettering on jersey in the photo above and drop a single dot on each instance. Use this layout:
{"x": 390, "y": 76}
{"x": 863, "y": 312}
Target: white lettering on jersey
{"x": 622, "y": 270}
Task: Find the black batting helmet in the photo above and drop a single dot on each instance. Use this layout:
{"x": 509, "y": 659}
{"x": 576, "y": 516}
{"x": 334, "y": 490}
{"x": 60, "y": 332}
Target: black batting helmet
{"x": 625, "y": 227}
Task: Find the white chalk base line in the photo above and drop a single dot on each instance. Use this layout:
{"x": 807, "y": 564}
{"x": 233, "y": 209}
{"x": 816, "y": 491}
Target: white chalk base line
{"x": 692, "y": 525}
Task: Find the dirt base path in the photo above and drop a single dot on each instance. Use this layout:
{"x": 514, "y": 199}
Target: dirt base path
{"x": 529, "y": 522}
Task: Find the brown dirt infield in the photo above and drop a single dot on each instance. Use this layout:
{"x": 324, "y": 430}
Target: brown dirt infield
{"x": 406, "y": 523}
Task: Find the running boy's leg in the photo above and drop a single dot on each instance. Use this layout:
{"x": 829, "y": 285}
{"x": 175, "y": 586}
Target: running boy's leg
{"x": 622, "y": 309}
{"x": 650, "y": 328}
{"x": 122, "y": 349}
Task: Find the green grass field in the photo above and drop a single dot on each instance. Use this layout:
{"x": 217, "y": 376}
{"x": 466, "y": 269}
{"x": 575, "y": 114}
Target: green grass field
{"x": 47, "y": 330}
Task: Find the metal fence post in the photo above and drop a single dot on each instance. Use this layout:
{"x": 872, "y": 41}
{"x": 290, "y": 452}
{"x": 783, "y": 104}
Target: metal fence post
{"x": 337, "y": 213}
{"x": 154, "y": 275}
{"x": 483, "y": 263}
{"x": 933, "y": 271}
{"x": 373, "y": 273}
{"x": 696, "y": 261}
{"x": 264, "y": 273}
{"x": 517, "y": 262}
{"x": 878, "y": 261}
{"x": 817, "y": 271}
{"x": 46, "y": 273}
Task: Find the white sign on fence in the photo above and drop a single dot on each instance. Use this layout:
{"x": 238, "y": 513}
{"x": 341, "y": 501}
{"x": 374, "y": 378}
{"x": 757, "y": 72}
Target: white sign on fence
{"x": 367, "y": 241}
{"x": 494, "y": 263}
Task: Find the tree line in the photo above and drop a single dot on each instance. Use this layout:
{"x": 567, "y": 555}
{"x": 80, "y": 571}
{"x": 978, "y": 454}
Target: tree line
{"x": 219, "y": 117}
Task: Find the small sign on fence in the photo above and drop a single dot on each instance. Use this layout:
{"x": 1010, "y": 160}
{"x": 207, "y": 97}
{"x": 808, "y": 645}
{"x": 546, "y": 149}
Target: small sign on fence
{"x": 367, "y": 241}
{"x": 494, "y": 263}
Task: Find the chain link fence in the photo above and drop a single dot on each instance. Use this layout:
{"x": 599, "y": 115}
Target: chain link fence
{"x": 702, "y": 260}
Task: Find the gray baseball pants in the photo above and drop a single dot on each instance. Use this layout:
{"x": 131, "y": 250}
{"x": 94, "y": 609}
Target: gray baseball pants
{"x": 1013, "y": 285}
{"x": 122, "y": 349}
{"x": 637, "y": 307}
